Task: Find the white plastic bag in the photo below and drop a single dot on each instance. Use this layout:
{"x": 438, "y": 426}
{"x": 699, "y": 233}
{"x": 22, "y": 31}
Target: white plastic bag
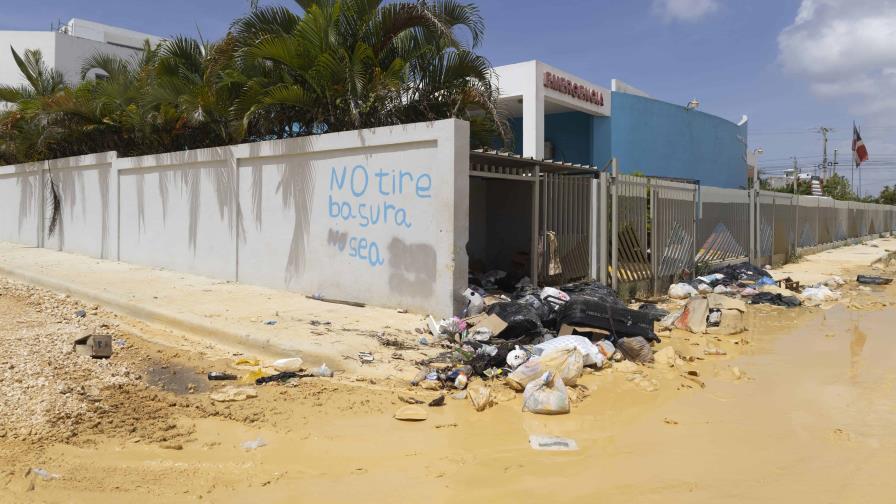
{"x": 814, "y": 296}
{"x": 546, "y": 395}
{"x": 590, "y": 353}
{"x": 291, "y": 364}
{"x": 566, "y": 362}
{"x": 681, "y": 291}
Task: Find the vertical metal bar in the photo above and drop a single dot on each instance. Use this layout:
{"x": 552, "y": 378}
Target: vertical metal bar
{"x": 603, "y": 215}
{"x": 593, "y": 233}
{"x": 614, "y": 250}
{"x": 533, "y": 244}
{"x": 655, "y": 232}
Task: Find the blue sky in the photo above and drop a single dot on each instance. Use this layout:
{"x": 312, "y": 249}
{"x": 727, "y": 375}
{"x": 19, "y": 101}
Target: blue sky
{"x": 790, "y": 65}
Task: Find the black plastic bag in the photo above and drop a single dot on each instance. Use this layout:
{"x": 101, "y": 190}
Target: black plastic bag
{"x": 655, "y": 311}
{"x": 522, "y": 319}
{"x": 594, "y": 290}
{"x": 873, "y": 280}
{"x": 738, "y": 272}
{"x": 619, "y": 321}
{"x": 775, "y": 299}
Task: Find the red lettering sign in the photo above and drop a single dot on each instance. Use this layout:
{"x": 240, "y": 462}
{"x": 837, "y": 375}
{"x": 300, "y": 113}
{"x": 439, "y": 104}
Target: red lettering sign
{"x": 578, "y": 91}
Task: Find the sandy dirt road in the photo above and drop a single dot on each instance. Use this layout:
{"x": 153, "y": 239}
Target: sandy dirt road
{"x": 801, "y": 409}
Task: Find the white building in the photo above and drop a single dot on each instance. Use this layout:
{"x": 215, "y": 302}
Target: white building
{"x": 67, "y": 48}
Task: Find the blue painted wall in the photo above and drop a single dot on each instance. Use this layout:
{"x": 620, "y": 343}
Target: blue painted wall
{"x": 659, "y": 138}
{"x": 651, "y": 137}
{"x": 570, "y": 133}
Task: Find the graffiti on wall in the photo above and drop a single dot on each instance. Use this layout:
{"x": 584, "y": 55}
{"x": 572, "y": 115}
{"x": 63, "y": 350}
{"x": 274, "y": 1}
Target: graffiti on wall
{"x": 364, "y": 199}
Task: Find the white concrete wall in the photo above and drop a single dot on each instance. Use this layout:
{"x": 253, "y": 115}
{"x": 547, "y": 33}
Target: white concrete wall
{"x": 64, "y": 52}
{"x": 377, "y": 216}
{"x": 20, "y": 41}
{"x": 88, "y": 192}
{"x": 365, "y": 216}
{"x": 177, "y": 211}
{"x": 20, "y": 203}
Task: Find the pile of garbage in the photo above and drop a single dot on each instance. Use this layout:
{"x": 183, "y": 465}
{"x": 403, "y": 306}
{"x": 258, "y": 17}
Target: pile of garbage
{"x": 536, "y": 341}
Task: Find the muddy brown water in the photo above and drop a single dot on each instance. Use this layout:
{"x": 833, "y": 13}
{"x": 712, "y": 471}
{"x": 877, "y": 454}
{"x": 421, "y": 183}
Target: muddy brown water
{"x": 807, "y": 417}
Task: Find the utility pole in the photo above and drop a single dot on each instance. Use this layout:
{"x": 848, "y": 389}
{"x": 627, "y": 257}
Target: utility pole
{"x": 824, "y": 130}
{"x": 835, "y": 162}
{"x": 796, "y": 177}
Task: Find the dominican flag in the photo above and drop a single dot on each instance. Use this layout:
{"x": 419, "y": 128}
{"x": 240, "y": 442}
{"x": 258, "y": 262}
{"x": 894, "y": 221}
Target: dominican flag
{"x": 859, "y": 151}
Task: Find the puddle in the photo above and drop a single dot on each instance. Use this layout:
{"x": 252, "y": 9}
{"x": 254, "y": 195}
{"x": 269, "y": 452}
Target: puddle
{"x": 176, "y": 378}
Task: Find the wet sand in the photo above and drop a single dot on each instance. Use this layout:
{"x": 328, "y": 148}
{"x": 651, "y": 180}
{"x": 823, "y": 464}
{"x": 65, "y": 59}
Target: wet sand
{"x": 808, "y": 418}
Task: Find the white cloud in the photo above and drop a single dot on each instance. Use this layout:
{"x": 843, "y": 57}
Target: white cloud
{"x": 845, "y": 49}
{"x": 684, "y": 10}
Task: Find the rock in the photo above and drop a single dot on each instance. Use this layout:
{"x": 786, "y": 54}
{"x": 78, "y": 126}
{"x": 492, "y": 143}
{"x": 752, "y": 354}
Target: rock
{"x": 411, "y": 414}
{"x": 704, "y": 289}
{"x": 232, "y": 394}
{"x": 408, "y": 399}
{"x": 665, "y": 357}
{"x": 431, "y": 385}
{"x": 170, "y": 445}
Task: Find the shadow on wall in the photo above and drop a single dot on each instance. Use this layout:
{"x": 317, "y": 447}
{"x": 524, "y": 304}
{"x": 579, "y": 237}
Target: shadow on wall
{"x": 72, "y": 191}
{"x": 27, "y": 183}
{"x": 413, "y": 268}
{"x": 296, "y": 190}
{"x": 188, "y": 177}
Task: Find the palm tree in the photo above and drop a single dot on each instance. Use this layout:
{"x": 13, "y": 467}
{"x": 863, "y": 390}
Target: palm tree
{"x": 350, "y": 64}
{"x": 26, "y": 129}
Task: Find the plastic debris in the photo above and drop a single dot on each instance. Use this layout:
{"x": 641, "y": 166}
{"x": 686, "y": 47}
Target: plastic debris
{"x": 475, "y": 303}
{"x": 516, "y": 357}
{"x": 44, "y": 474}
{"x": 818, "y": 295}
{"x": 591, "y": 354}
{"x": 546, "y": 395}
{"x": 365, "y": 357}
{"x": 552, "y": 443}
{"x": 567, "y": 362}
{"x": 233, "y": 394}
{"x": 292, "y": 364}
{"x": 80, "y": 314}
{"x": 270, "y": 322}
{"x": 322, "y": 372}
{"x": 219, "y": 375}
{"x": 461, "y": 381}
{"x": 253, "y": 444}
{"x": 286, "y": 375}
{"x": 681, "y": 291}
{"x": 636, "y": 349}
{"x": 873, "y": 280}
{"x": 480, "y": 395}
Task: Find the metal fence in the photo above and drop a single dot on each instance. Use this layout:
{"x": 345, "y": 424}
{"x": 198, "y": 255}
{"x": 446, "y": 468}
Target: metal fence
{"x": 723, "y": 225}
{"x": 665, "y": 231}
{"x": 673, "y": 232}
{"x": 565, "y": 201}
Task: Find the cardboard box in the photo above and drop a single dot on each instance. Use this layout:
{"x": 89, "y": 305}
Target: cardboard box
{"x": 493, "y": 323}
{"x": 98, "y": 346}
{"x": 589, "y": 332}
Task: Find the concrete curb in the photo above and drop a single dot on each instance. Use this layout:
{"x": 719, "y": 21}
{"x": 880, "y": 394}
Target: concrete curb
{"x": 157, "y": 317}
